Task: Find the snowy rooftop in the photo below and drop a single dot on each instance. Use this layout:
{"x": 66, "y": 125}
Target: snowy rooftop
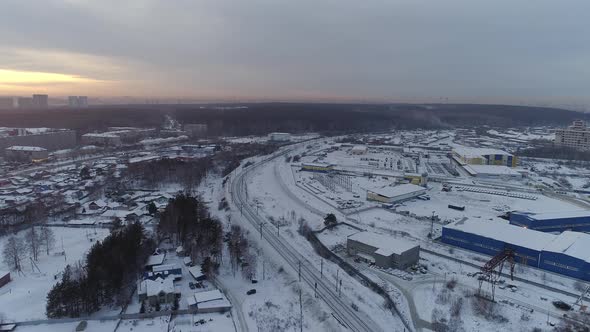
{"x": 160, "y": 268}
{"x": 155, "y": 260}
{"x": 195, "y": 271}
{"x": 25, "y": 148}
{"x": 556, "y": 214}
{"x": 393, "y": 191}
{"x": 574, "y": 244}
{"x": 154, "y": 287}
{"x": 206, "y": 296}
{"x": 477, "y": 152}
{"x": 101, "y": 135}
{"x": 385, "y": 245}
{"x": 504, "y": 232}
{"x": 491, "y": 169}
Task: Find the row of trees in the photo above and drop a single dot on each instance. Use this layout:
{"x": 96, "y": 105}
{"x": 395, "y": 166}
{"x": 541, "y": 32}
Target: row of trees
{"x": 35, "y": 240}
{"x": 107, "y": 276}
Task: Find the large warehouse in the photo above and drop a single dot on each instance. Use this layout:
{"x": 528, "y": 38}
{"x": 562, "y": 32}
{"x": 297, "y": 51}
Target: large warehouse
{"x": 567, "y": 253}
{"x": 553, "y": 221}
{"x": 393, "y": 194}
{"x": 384, "y": 251}
{"x": 483, "y": 156}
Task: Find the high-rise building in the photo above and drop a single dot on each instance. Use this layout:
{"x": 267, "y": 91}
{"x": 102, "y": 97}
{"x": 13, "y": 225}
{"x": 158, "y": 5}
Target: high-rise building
{"x": 73, "y": 101}
{"x": 78, "y": 101}
{"x": 83, "y": 101}
{"x": 6, "y": 103}
{"x": 25, "y": 102}
{"x": 575, "y": 136}
{"x": 40, "y": 101}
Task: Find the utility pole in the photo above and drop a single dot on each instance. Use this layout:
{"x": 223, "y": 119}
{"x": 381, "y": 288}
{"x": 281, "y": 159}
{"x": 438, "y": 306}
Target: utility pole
{"x": 261, "y": 231}
{"x": 337, "y": 279}
{"x": 315, "y": 294}
{"x": 340, "y": 289}
{"x": 299, "y": 271}
{"x": 432, "y": 226}
{"x": 300, "y": 312}
{"x": 322, "y": 268}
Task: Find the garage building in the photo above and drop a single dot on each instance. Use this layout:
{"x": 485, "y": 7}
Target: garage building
{"x": 393, "y": 194}
{"x": 384, "y": 251}
{"x": 577, "y": 220}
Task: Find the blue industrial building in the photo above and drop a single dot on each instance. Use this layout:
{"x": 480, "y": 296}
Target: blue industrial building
{"x": 553, "y": 221}
{"x": 567, "y": 253}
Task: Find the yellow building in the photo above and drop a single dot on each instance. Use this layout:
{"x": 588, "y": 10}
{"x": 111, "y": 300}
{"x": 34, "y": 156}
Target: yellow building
{"x": 317, "y": 167}
{"x": 483, "y": 156}
{"x": 417, "y": 179}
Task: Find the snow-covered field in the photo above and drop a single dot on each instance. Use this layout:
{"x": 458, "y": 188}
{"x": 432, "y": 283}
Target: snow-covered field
{"x": 24, "y": 297}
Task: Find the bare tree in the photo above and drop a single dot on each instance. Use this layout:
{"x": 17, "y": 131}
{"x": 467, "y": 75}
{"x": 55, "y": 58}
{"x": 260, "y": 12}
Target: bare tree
{"x": 47, "y": 238}
{"x": 33, "y": 242}
{"x": 13, "y": 251}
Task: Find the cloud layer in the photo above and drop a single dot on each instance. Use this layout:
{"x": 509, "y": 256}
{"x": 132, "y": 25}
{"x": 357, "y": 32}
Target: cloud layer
{"x": 329, "y": 49}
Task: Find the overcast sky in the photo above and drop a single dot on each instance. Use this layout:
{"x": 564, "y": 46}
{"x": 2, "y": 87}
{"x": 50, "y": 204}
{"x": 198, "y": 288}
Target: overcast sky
{"x": 373, "y": 50}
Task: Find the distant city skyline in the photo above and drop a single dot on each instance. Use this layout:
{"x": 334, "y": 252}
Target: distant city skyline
{"x": 377, "y": 51}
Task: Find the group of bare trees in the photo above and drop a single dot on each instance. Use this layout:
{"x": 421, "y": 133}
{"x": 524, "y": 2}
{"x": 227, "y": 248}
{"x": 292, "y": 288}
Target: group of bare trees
{"x": 35, "y": 240}
{"x": 158, "y": 172}
{"x": 239, "y": 253}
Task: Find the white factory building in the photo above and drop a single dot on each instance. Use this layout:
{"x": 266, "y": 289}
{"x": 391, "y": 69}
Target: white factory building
{"x": 384, "y": 251}
{"x": 279, "y": 137}
{"x": 26, "y": 153}
{"x": 358, "y": 150}
{"x": 492, "y": 172}
{"x": 393, "y": 194}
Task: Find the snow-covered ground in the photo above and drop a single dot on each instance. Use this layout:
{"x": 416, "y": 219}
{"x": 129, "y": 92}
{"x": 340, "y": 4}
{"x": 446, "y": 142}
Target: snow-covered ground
{"x": 24, "y": 297}
{"x": 92, "y": 326}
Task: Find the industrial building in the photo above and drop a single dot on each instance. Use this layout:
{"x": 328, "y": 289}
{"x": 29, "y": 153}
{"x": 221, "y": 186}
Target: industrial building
{"x": 24, "y": 102}
{"x": 196, "y": 129}
{"x": 40, "y": 101}
{"x": 26, "y": 154}
{"x": 417, "y": 179}
{"x": 317, "y": 167}
{"x": 359, "y": 150}
{"x": 53, "y": 139}
{"x": 578, "y": 220}
{"x": 6, "y": 103}
{"x": 116, "y": 136}
{"x": 576, "y": 136}
{"x": 101, "y": 139}
{"x": 492, "y": 172}
{"x": 385, "y": 252}
{"x": 393, "y": 194}
{"x": 78, "y": 101}
{"x": 279, "y": 137}
{"x": 483, "y": 156}
{"x": 567, "y": 253}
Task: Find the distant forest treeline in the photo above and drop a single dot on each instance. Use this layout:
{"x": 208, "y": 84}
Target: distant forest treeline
{"x": 262, "y": 118}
